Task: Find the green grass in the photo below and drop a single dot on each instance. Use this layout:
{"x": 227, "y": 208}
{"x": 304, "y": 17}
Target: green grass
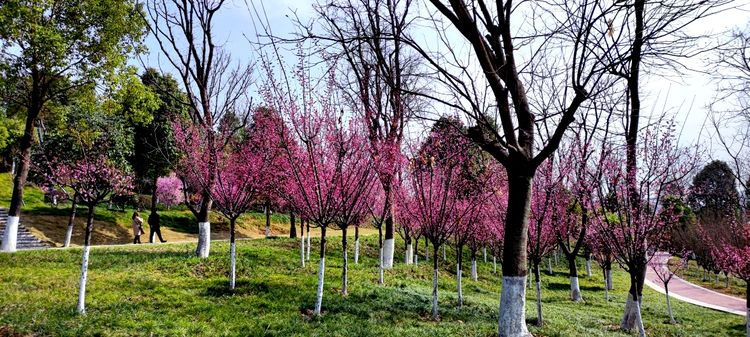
{"x": 162, "y": 290}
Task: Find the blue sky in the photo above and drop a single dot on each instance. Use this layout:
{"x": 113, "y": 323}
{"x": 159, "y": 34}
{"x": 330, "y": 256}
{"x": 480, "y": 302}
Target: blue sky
{"x": 685, "y": 96}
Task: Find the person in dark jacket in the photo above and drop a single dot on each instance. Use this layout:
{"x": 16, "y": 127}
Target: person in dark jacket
{"x": 153, "y": 223}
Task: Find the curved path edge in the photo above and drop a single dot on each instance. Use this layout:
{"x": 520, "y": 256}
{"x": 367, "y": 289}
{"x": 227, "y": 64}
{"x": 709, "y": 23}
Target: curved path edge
{"x": 695, "y": 294}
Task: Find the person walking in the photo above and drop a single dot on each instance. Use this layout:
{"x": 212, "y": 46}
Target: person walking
{"x": 137, "y": 227}
{"x": 155, "y": 228}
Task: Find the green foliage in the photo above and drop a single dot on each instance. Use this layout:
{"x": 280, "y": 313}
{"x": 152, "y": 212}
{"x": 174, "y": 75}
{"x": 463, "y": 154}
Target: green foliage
{"x": 154, "y": 147}
{"x": 163, "y": 290}
{"x": 11, "y": 130}
{"x": 81, "y": 39}
{"x": 714, "y": 193}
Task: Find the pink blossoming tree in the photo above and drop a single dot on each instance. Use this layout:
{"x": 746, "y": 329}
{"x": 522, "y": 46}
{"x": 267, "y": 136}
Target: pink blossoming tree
{"x": 93, "y": 177}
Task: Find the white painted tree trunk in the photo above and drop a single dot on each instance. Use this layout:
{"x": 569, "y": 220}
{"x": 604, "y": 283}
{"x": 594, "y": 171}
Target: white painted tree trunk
{"x": 588, "y": 268}
{"x": 610, "y": 285}
{"x": 474, "y": 275}
{"x": 575, "y": 290}
{"x": 669, "y": 306}
{"x": 81, "y": 308}
{"x": 639, "y": 321}
{"x": 435, "y": 315}
{"x": 204, "y": 239}
{"x": 388, "y": 246}
{"x": 319, "y": 292}
{"x": 444, "y": 258}
{"x": 68, "y": 235}
{"x": 416, "y": 256}
{"x": 512, "y": 321}
{"x": 539, "y": 319}
{"x": 380, "y": 266}
{"x": 307, "y": 254}
{"x": 494, "y": 264}
{"x": 302, "y": 250}
{"x": 10, "y": 235}
{"x": 459, "y": 286}
{"x": 632, "y": 317}
{"x": 484, "y": 254}
{"x": 356, "y": 251}
{"x": 606, "y": 291}
{"x": 344, "y": 274}
{"x": 549, "y": 265}
{"x": 232, "y": 265}
{"x": 408, "y": 255}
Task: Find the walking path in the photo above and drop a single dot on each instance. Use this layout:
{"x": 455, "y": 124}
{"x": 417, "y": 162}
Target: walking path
{"x": 691, "y": 293}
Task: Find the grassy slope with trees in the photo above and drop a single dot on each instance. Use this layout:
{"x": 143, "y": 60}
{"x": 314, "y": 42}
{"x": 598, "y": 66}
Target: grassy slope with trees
{"x": 165, "y": 290}
{"x": 114, "y": 226}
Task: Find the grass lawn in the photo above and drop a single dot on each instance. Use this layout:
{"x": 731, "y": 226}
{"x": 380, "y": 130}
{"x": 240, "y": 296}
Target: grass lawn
{"x": 163, "y": 290}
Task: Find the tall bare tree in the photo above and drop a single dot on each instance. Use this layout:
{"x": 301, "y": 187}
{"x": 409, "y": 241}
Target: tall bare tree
{"x": 653, "y": 36}
{"x": 519, "y": 73}
{"x": 216, "y": 86}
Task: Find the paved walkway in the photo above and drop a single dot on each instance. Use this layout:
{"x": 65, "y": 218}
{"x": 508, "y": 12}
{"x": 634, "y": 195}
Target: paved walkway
{"x": 691, "y": 293}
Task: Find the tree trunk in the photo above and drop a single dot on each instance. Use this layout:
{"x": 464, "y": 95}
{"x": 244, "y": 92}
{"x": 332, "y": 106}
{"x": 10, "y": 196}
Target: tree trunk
{"x": 292, "y": 226}
{"x": 669, "y": 304}
{"x": 345, "y": 263}
{"x": 380, "y": 255}
{"x": 81, "y": 308}
{"x": 416, "y": 253}
{"x": 537, "y": 276}
{"x": 321, "y": 272}
{"x": 512, "y": 321}
{"x": 459, "y": 272}
{"x": 632, "y": 317}
{"x": 474, "y": 275}
{"x": 575, "y": 289}
{"x": 71, "y": 220}
{"x": 606, "y": 285}
{"x": 610, "y": 285}
{"x": 302, "y": 246}
{"x": 232, "y": 253}
{"x": 588, "y": 267}
{"x": 204, "y": 228}
{"x": 356, "y": 244}
{"x": 408, "y": 254}
{"x": 484, "y": 254}
{"x": 444, "y": 258}
{"x": 549, "y": 265}
{"x": 494, "y": 264}
{"x": 307, "y": 254}
{"x": 426, "y": 249}
{"x": 268, "y": 219}
{"x": 10, "y": 235}
{"x": 388, "y": 244}
{"x": 435, "y": 315}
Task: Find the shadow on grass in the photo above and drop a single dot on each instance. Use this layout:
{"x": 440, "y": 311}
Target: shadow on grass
{"x": 566, "y": 286}
{"x": 180, "y": 223}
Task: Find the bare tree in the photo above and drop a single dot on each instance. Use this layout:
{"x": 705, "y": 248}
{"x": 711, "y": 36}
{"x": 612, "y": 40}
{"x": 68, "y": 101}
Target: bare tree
{"x": 652, "y": 35}
{"x": 216, "y": 86}
{"x": 528, "y": 69}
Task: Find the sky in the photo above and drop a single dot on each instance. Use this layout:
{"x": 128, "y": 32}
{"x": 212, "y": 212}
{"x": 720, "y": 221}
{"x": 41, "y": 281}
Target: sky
{"x": 685, "y": 96}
